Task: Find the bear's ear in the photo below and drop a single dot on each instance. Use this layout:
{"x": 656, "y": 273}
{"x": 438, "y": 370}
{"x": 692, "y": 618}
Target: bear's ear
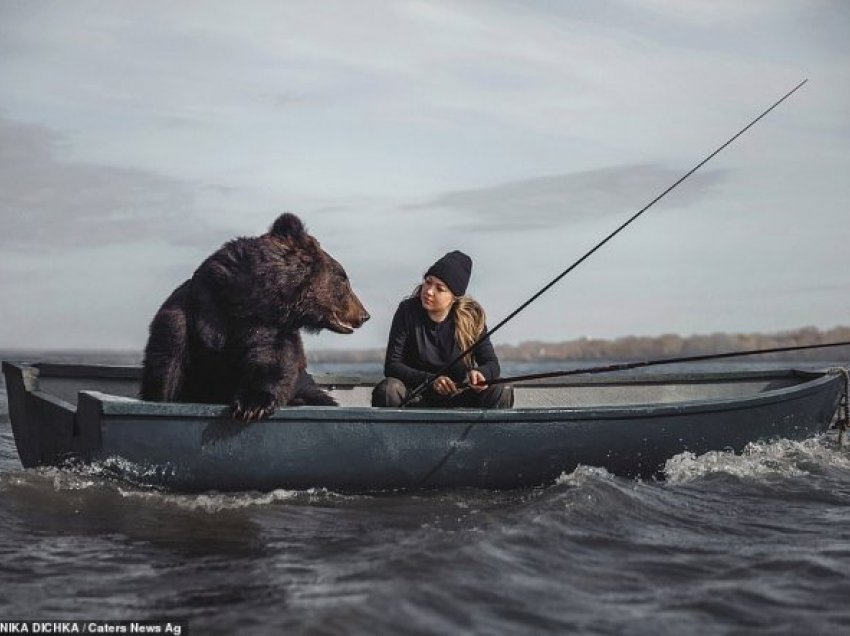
{"x": 287, "y": 225}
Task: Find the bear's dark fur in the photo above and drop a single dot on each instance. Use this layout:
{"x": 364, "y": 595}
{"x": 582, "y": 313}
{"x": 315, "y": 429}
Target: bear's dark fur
{"x": 230, "y": 334}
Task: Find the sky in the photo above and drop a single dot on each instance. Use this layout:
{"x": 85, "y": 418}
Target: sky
{"x": 137, "y": 137}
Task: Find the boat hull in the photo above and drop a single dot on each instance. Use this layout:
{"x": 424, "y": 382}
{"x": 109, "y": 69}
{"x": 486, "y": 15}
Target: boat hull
{"x": 192, "y": 448}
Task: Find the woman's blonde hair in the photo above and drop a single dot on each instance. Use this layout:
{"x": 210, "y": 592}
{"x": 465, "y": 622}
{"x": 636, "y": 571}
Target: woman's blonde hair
{"x": 469, "y": 319}
{"x": 469, "y": 324}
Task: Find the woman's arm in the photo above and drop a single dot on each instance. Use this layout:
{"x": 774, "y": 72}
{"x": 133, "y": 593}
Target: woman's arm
{"x": 395, "y": 365}
{"x": 486, "y": 360}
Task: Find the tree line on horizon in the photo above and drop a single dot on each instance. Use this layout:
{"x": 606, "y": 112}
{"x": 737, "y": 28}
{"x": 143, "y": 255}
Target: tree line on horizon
{"x": 634, "y": 348}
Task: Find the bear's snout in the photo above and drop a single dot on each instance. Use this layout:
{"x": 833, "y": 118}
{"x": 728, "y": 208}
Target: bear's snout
{"x": 361, "y": 318}
{"x": 358, "y": 313}
{"x": 354, "y": 316}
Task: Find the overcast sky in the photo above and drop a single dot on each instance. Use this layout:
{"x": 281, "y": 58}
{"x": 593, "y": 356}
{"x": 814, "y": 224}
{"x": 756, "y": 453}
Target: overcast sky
{"x": 137, "y": 137}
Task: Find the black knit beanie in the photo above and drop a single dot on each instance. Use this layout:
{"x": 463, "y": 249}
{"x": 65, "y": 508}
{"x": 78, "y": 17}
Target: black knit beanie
{"x": 454, "y": 269}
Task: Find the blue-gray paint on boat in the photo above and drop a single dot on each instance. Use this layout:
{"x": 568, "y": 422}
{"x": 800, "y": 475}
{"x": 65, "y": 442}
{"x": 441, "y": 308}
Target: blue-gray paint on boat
{"x": 195, "y": 447}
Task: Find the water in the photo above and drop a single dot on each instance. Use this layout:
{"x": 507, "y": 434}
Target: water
{"x": 757, "y": 543}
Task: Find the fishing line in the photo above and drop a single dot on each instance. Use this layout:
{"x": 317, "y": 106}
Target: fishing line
{"x": 650, "y": 363}
{"x": 415, "y": 393}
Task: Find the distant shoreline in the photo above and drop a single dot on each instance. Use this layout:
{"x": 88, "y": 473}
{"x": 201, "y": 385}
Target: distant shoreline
{"x": 631, "y": 348}
{"x": 627, "y": 348}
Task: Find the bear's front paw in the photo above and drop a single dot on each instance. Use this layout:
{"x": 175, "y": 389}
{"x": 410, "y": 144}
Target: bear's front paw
{"x": 253, "y": 405}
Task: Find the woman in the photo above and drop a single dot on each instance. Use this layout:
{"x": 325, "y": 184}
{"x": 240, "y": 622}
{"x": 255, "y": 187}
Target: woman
{"x": 430, "y": 329}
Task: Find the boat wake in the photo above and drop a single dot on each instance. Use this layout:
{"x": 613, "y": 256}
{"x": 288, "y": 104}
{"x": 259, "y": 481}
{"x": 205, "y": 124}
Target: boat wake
{"x": 583, "y": 475}
{"x": 760, "y": 462}
{"x": 119, "y": 477}
{"x": 213, "y": 502}
{"x": 780, "y": 459}
{"x": 763, "y": 460}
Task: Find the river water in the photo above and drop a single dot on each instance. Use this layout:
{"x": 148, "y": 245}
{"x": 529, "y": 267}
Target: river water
{"x": 758, "y": 543}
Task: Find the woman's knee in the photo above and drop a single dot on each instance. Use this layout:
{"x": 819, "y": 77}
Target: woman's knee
{"x": 498, "y": 396}
{"x": 389, "y": 392}
{"x": 506, "y": 396}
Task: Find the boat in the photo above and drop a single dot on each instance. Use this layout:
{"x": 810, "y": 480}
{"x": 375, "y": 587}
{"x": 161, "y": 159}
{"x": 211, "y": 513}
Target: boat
{"x": 70, "y": 414}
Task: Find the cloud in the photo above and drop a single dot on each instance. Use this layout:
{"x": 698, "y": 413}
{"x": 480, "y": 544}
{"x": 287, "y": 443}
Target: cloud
{"x": 46, "y": 201}
{"x": 402, "y": 130}
{"x": 554, "y": 201}
{"x": 711, "y": 14}
{"x": 453, "y": 92}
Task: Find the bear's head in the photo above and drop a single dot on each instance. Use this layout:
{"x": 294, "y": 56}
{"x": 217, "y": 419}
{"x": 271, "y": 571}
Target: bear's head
{"x": 324, "y": 299}
{"x": 282, "y": 278}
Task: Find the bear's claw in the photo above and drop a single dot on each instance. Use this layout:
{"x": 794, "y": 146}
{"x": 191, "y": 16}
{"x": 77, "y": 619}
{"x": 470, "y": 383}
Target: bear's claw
{"x": 252, "y": 406}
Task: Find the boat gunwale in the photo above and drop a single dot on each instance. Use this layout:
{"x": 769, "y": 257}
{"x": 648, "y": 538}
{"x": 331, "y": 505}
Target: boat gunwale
{"x": 131, "y": 372}
{"x": 111, "y": 405}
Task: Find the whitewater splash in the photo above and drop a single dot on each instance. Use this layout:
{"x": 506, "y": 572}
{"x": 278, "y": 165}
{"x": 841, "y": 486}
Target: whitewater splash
{"x": 214, "y": 501}
{"x": 778, "y": 459}
{"x": 583, "y": 475}
{"x": 117, "y": 475}
{"x": 760, "y": 460}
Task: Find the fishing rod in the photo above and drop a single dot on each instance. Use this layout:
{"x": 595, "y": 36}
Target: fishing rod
{"x": 651, "y": 363}
{"x": 416, "y": 392}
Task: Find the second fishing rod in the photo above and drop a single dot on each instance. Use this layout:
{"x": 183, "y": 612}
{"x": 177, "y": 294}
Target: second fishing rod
{"x": 422, "y": 387}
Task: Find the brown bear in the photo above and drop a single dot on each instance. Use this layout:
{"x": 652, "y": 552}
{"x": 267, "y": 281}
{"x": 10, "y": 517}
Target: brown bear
{"x": 230, "y": 334}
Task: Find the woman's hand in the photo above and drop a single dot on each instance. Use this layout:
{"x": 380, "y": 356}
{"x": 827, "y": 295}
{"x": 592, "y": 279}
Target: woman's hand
{"x": 444, "y": 385}
{"x": 476, "y": 380}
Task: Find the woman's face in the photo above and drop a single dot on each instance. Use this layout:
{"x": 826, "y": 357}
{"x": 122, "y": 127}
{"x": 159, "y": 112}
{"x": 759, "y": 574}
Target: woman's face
{"x": 435, "y": 295}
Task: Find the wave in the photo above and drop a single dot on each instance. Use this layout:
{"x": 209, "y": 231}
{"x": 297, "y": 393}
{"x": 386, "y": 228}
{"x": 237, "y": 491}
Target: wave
{"x": 591, "y": 492}
{"x": 761, "y": 460}
{"x": 119, "y": 477}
